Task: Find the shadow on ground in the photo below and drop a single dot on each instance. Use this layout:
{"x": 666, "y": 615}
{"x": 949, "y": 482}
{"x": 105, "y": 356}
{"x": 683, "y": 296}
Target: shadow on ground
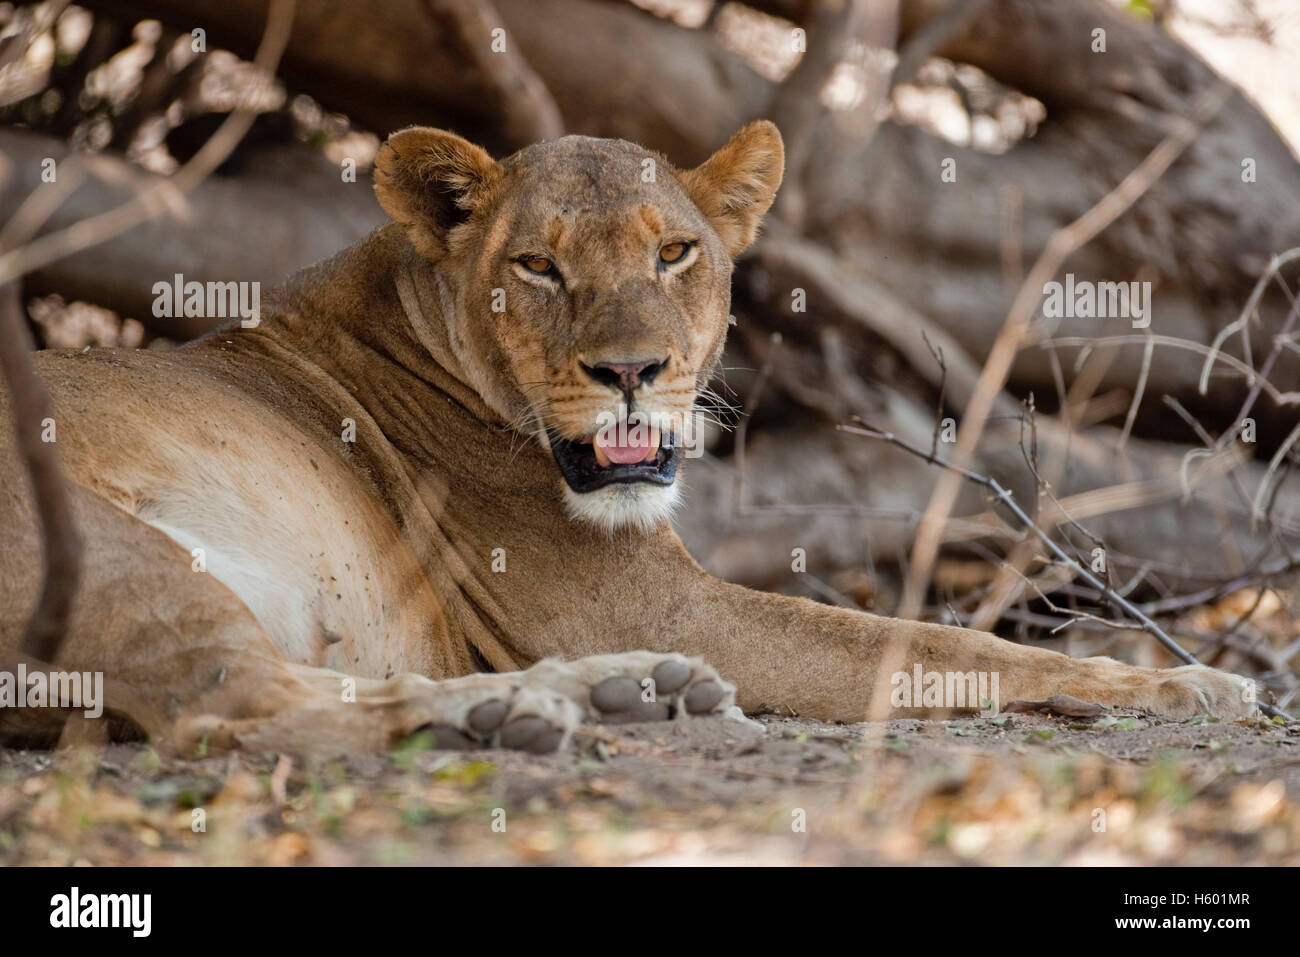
{"x": 1022, "y": 789}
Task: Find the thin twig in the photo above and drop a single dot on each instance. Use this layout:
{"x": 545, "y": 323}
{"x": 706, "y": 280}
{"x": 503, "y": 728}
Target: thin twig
{"x": 1008, "y": 500}
{"x": 1007, "y": 344}
{"x": 742, "y": 428}
{"x": 1279, "y": 341}
{"x": 1243, "y": 321}
{"x": 937, "y": 352}
{"x": 166, "y": 193}
{"x": 1259, "y": 574}
{"x": 1251, "y": 376}
{"x": 47, "y": 627}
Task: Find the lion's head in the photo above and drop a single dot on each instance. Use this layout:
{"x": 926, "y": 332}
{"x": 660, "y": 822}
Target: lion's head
{"x": 586, "y": 287}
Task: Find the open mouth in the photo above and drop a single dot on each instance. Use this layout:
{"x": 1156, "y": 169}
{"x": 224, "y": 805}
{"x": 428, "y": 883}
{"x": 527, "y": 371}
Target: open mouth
{"x": 644, "y": 455}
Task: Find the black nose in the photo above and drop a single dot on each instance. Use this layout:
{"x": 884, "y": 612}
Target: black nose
{"x": 626, "y": 376}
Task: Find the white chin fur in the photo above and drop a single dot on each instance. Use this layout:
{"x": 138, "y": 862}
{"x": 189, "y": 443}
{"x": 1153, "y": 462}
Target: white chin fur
{"x": 636, "y": 506}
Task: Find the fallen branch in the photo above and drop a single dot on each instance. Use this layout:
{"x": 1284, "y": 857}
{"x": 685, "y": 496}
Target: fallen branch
{"x": 296, "y": 227}
{"x": 858, "y": 302}
{"x": 528, "y": 111}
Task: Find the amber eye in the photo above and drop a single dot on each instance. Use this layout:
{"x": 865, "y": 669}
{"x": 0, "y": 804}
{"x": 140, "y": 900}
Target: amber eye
{"x": 673, "y": 252}
{"x": 538, "y": 264}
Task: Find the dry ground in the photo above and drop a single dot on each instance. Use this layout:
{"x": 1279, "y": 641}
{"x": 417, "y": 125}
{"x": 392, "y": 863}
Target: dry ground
{"x": 1023, "y": 788}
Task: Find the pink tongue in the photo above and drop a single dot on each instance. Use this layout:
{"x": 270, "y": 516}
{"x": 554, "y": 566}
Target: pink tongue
{"x": 627, "y": 454}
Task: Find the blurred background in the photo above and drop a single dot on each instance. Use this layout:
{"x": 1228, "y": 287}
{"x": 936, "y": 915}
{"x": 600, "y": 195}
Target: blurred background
{"x": 934, "y": 149}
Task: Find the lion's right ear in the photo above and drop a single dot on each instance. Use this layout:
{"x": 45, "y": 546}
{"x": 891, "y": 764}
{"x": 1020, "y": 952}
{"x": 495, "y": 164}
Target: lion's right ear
{"x": 431, "y": 180}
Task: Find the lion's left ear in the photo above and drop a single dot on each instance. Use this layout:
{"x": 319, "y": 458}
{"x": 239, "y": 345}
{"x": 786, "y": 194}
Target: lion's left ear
{"x": 736, "y": 185}
{"x": 431, "y": 181}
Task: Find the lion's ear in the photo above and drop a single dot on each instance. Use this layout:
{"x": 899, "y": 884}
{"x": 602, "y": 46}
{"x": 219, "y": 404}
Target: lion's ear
{"x": 431, "y": 180}
{"x": 736, "y": 185}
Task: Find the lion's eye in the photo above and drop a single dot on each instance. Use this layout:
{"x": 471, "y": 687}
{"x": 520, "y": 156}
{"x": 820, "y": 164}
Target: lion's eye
{"x": 673, "y": 252}
{"x": 538, "y": 264}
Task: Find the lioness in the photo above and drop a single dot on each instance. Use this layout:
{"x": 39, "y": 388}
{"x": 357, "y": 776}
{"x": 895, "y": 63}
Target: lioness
{"x": 432, "y": 488}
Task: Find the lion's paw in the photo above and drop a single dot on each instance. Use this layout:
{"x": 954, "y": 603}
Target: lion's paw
{"x": 1198, "y": 689}
{"x": 499, "y": 711}
{"x": 636, "y": 686}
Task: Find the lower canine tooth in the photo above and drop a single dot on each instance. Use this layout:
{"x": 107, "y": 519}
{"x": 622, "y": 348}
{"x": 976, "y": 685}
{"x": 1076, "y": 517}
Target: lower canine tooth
{"x": 601, "y": 458}
{"x": 654, "y": 444}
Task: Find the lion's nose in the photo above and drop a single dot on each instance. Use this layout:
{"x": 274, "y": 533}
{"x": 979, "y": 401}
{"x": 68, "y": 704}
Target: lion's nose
{"x": 625, "y": 376}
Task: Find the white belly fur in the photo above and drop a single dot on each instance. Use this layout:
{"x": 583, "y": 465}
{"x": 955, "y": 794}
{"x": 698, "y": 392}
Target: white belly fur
{"x": 310, "y": 556}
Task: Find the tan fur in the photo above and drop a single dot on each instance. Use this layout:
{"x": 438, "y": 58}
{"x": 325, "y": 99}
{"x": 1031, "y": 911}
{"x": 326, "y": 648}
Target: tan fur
{"x": 380, "y": 558}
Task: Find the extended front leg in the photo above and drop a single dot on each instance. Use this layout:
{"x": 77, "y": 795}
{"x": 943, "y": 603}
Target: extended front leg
{"x": 792, "y": 654}
{"x": 837, "y": 664}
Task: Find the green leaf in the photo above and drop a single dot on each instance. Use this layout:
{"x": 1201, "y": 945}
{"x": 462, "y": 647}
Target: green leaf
{"x": 465, "y": 773}
{"x": 1141, "y": 9}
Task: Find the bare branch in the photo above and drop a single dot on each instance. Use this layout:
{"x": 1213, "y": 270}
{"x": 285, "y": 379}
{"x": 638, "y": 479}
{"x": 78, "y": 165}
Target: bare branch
{"x": 164, "y": 194}
{"x": 797, "y": 109}
{"x": 528, "y": 111}
{"x": 31, "y": 409}
{"x": 47, "y": 627}
{"x": 1144, "y": 621}
{"x": 994, "y": 376}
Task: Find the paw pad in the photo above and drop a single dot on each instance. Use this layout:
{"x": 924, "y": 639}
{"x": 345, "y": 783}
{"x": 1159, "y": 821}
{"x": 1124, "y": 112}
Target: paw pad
{"x": 676, "y": 686}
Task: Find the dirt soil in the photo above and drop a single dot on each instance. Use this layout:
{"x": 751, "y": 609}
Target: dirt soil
{"x": 1024, "y": 789}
